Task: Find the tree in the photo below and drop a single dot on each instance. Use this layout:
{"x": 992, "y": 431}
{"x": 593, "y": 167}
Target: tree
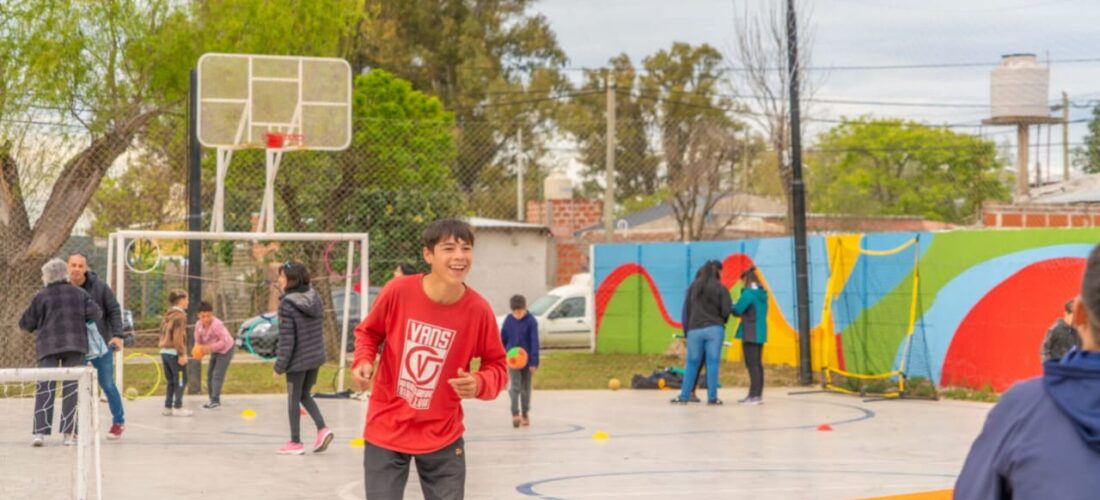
{"x": 95, "y": 67}
{"x": 761, "y": 53}
{"x": 895, "y": 167}
{"x": 699, "y": 139}
{"x": 1087, "y": 157}
{"x": 490, "y": 61}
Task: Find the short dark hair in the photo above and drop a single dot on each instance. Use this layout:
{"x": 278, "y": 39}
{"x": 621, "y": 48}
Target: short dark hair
{"x": 406, "y": 268}
{"x": 443, "y": 229}
{"x": 295, "y": 272}
{"x": 1090, "y": 292}
{"x": 1069, "y": 306}
{"x": 750, "y": 276}
{"x": 175, "y": 296}
{"x": 518, "y": 302}
{"x": 206, "y": 307}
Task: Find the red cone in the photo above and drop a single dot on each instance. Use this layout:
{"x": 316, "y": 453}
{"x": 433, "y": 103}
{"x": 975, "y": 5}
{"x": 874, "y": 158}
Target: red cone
{"x": 302, "y": 412}
{"x": 825, "y": 428}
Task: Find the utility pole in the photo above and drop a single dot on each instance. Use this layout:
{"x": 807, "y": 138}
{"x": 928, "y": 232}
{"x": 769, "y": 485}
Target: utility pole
{"x": 194, "y": 223}
{"x": 609, "y": 180}
{"x": 798, "y": 207}
{"x": 520, "y": 167}
{"x": 1065, "y": 136}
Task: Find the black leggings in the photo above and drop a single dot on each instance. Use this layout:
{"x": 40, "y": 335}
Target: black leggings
{"x": 753, "y": 352}
{"x": 298, "y": 387}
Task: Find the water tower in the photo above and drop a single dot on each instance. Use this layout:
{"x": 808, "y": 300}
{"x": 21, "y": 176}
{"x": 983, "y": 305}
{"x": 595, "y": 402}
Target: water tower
{"x": 1019, "y": 96}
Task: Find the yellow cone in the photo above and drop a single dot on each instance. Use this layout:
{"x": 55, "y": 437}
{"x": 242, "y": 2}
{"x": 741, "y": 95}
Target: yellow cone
{"x": 600, "y": 436}
{"x": 356, "y": 443}
{"x": 248, "y": 413}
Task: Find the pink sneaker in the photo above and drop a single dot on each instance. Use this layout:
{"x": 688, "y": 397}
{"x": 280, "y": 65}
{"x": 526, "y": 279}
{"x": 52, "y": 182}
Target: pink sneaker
{"x": 324, "y": 437}
{"x": 116, "y": 431}
{"x": 292, "y": 448}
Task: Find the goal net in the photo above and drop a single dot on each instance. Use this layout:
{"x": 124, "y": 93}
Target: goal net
{"x": 42, "y": 401}
{"x": 872, "y": 312}
{"x": 238, "y": 273}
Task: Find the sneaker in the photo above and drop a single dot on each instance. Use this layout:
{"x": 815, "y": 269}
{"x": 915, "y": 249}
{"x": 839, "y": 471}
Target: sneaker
{"x": 211, "y": 405}
{"x": 516, "y": 421}
{"x": 525, "y": 421}
{"x": 750, "y": 401}
{"x": 679, "y": 401}
{"x": 694, "y": 399}
{"x": 292, "y": 448}
{"x": 182, "y": 412}
{"x": 116, "y": 431}
{"x": 70, "y": 440}
{"x": 324, "y": 437}
{"x": 714, "y": 402}
{"x": 38, "y": 441}
{"x": 166, "y": 412}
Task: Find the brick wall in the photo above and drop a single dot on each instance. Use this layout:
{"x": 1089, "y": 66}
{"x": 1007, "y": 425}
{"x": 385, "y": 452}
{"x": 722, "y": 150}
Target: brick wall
{"x": 1019, "y": 216}
{"x": 564, "y": 217}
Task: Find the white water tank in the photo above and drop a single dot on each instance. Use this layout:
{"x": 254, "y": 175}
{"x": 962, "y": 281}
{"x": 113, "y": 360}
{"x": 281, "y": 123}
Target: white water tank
{"x": 1020, "y": 87}
{"x": 557, "y": 186}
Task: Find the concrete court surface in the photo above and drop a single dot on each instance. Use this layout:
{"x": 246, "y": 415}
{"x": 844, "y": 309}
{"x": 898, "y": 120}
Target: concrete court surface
{"x": 654, "y": 450}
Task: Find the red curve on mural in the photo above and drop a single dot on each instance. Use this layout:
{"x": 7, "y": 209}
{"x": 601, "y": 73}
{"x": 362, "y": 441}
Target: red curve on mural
{"x": 732, "y": 267}
{"x": 1019, "y": 310}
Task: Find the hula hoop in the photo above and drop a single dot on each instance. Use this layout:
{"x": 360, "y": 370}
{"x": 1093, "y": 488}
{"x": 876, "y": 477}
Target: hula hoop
{"x": 156, "y": 366}
{"x": 248, "y": 336}
{"x": 130, "y": 246}
{"x": 328, "y": 263}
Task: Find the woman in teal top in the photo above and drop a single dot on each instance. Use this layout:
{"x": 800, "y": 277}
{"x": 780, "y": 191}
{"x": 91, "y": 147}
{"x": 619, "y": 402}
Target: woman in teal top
{"x": 752, "y": 308}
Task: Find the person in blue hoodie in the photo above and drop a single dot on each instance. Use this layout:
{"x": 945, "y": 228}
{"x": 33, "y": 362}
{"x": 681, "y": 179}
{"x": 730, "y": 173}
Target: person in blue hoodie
{"x": 1042, "y": 440}
{"x": 752, "y": 308}
{"x": 521, "y": 330}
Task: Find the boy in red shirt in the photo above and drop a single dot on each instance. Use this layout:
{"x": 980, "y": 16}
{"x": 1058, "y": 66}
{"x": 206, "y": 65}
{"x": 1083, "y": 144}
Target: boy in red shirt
{"x": 432, "y": 325}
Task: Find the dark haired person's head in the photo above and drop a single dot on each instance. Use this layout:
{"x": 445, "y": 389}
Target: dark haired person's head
{"x": 293, "y": 276}
{"x": 178, "y": 298}
{"x": 1086, "y": 310}
{"x": 78, "y": 268}
{"x": 449, "y": 250}
{"x": 403, "y": 269}
{"x": 206, "y": 313}
{"x": 1067, "y": 311}
{"x": 750, "y": 278}
{"x": 518, "y": 303}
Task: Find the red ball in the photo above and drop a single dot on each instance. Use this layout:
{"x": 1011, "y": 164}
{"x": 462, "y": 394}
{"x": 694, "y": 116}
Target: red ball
{"x": 517, "y": 358}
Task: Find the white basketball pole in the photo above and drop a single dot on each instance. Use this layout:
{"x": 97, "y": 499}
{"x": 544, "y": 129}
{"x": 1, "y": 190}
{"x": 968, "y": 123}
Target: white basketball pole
{"x": 347, "y": 313}
{"x": 217, "y": 219}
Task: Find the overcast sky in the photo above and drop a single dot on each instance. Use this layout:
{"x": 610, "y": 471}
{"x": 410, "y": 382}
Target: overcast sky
{"x": 870, "y": 33}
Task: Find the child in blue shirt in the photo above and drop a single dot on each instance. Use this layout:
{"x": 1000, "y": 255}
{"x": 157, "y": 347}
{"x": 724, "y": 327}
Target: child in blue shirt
{"x": 521, "y": 330}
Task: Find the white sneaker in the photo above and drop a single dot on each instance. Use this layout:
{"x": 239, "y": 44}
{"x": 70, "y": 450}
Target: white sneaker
{"x": 182, "y": 412}
{"x": 38, "y": 441}
{"x": 70, "y": 440}
{"x": 166, "y": 412}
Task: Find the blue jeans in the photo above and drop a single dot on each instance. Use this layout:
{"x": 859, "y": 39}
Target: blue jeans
{"x": 105, "y": 371}
{"x": 703, "y": 342}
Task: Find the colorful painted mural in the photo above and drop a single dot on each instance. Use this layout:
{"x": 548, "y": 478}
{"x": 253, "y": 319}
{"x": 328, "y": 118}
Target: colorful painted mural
{"x": 965, "y": 308}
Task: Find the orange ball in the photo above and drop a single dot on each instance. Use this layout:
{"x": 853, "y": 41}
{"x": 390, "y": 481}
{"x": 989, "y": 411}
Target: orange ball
{"x": 198, "y": 352}
{"x": 517, "y": 358}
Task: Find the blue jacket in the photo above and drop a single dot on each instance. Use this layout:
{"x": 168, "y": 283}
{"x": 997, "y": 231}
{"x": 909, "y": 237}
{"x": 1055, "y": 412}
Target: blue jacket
{"x": 1042, "y": 440}
{"x": 522, "y": 333}
{"x": 752, "y": 308}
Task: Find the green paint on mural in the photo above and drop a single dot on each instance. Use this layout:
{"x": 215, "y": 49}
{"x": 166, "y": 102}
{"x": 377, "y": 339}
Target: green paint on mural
{"x": 633, "y": 322}
{"x": 871, "y": 342}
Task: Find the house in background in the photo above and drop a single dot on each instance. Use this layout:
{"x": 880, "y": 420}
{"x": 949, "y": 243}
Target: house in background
{"x": 509, "y": 258}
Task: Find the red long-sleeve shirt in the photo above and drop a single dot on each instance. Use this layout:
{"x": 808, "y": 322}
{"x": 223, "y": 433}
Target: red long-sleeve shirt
{"x": 413, "y": 409}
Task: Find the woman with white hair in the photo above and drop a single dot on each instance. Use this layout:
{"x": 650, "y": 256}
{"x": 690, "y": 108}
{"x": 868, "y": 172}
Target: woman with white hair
{"x": 58, "y": 315}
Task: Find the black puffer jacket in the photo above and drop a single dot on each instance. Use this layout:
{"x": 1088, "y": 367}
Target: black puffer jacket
{"x": 58, "y": 314}
{"x": 110, "y": 325}
{"x": 301, "y": 332}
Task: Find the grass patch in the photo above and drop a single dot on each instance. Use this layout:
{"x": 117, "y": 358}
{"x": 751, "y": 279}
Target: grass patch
{"x": 562, "y": 370}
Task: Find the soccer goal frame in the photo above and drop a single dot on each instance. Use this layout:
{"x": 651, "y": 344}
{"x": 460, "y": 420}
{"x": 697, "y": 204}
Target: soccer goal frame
{"x": 87, "y": 420}
{"x": 116, "y": 267}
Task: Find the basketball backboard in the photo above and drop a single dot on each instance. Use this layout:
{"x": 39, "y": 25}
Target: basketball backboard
{"x": 244, "y": 97}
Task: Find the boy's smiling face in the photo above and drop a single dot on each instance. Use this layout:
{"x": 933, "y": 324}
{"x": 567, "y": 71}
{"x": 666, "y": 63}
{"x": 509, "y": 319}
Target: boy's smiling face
{"x": 451, "y": 260}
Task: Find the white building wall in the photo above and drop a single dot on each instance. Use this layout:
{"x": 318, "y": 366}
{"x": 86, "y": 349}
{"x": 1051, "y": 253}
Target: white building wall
{"x": 507, "y": 262}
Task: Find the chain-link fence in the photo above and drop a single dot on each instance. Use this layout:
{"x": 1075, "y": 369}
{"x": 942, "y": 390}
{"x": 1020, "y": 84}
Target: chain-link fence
{"x": 685, "y": 167}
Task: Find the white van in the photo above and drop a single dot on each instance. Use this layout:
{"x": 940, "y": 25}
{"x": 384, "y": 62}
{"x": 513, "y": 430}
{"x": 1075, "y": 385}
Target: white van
{"x": 565, "y": 314}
